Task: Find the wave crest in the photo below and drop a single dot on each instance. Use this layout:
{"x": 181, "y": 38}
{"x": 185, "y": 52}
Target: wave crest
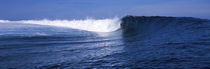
{"x": 102, "y": 25}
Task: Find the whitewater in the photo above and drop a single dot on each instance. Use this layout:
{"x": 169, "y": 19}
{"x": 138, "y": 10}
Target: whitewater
{"x": 100, "y": 25}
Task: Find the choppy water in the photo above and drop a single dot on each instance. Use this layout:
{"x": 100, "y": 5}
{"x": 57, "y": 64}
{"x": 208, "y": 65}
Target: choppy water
{"x": 143, "y": 42}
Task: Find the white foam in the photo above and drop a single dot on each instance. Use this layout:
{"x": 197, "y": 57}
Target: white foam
{"x": 4, "y": 21}
{"x": 102, "y": 25}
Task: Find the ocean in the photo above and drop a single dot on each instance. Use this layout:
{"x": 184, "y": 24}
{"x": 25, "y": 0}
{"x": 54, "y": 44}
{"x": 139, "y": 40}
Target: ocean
{"x": 113, "y": 43}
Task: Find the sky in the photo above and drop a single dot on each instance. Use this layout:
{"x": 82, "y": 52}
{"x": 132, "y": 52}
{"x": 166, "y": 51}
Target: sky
{"x": 80, "y": 9}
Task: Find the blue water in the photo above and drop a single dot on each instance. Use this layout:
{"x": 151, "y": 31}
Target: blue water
{"x": 151, "y": 42}
{"x": 95, "y": 34}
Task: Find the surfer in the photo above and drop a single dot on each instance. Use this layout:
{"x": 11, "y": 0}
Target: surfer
{"x": 121, "y": 25}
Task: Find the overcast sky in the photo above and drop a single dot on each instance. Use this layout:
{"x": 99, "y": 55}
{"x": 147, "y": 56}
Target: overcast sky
{"x": 79, "y": 9}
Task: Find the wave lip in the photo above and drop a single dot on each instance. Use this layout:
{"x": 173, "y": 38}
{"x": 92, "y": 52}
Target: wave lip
{"x": 102, "y": 25}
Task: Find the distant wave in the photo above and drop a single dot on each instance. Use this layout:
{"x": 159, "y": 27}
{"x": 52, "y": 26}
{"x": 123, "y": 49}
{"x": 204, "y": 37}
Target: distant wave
{"x": 101, "y": 25}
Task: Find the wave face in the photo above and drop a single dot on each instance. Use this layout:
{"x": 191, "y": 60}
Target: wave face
{"x": 103, "y": 25}
{"x": 156, "y": 24}
{"x": 142, "y": 42}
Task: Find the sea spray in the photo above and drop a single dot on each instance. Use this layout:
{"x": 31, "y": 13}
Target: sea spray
{"x": 94, "y": 25}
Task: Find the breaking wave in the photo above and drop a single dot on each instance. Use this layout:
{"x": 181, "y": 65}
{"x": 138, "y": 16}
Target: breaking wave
{"x": 101, "y": 25}
{"x": 162, "y": 41}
